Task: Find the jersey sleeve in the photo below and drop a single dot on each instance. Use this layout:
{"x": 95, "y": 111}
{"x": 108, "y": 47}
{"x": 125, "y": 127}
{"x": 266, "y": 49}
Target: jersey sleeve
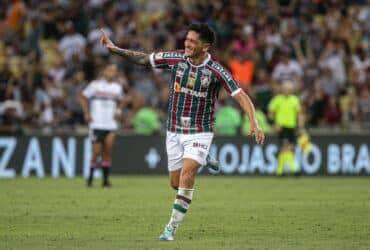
{"x": 226, "y": 80}
{"x": 165, "y": 60}
{"x": 89, "y": 90}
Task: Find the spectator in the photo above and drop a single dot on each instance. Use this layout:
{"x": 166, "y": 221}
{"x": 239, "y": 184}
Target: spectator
{"x": 364, "y": 107}
{"x": 262, "y": 120}
{"x": 146, "y": 122}
{"x": 349, "y": 108}
{"x": 360, "y": 66}
{"x": 327, "y": 82}
{"x": 16, "y": 14}
{"x": 332, "y": 58}
{"x": 72, "y": 43}
{"x": 242, "y": 68}
{"x": 73, "y": 88}
{"x": 332, "y": 115}
{"x": 288, "y": 69}
{"x": 94, "y": 36}
{"x": 11, "y": 112}
{"x": 228, "y": 121}
{"x": 315, "y": 102}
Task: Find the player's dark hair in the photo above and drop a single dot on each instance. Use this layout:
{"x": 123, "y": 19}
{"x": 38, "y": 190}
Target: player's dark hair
{"x": 206, "y": 34}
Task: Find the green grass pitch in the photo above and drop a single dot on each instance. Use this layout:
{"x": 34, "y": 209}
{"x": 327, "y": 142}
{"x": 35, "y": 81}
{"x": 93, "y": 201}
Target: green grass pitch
{"x": 226, "y": 213}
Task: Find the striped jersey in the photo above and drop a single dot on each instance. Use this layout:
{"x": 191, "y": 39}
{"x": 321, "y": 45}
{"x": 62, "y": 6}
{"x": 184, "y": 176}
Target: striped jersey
{"x": 103, "y": 98}
{"x": 193, "y": 91}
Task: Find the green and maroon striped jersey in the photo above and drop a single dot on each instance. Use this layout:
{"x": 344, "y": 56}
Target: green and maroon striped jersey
{"x": 193, "y": 91}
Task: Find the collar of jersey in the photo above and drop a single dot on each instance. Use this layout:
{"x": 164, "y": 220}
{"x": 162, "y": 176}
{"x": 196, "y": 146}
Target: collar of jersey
{"x": 202, "y": 64}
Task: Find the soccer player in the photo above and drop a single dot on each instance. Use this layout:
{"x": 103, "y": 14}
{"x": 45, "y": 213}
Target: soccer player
{"x": 101, "y": 103}
{"x": 196, "y": 81}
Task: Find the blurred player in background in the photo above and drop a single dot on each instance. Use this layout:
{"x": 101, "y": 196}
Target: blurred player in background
{"x": 196, "y": 82}
{"x": 285, "y": 109}
{"x": 102, "y": 101}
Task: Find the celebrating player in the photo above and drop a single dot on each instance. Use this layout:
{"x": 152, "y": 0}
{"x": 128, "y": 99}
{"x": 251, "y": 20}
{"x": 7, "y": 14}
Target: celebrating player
{"x": 101, "y": 103}
{"x": 196, "y": 81}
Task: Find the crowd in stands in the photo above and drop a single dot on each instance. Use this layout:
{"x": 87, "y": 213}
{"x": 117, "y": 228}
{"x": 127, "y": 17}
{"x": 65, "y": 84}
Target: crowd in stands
{"x": 49, "y": 50}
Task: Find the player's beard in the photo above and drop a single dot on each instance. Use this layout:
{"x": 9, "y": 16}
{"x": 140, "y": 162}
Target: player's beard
{"x": 189, "y": 52}
{"x": 193, "y": 53}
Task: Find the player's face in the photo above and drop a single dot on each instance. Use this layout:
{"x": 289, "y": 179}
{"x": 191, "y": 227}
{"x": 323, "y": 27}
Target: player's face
{"x": 110, "y": 72}
{"x": 193, "y": 45}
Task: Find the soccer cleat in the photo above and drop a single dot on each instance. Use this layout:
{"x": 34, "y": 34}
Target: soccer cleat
{"x": 167, "y": 234}
{"x": 213, "y": 164}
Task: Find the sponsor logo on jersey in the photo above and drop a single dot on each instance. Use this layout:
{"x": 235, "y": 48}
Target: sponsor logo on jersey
{"x": 107, "y": 94}
{"x": 192, "y": 92}
{"x": 222, "y": 71}
{"x": 172, "y": 54}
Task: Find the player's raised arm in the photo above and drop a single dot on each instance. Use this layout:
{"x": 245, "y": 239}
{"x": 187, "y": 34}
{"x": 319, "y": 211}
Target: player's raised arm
{"x": 248, "y": 107}
{"x": 136, "y": 57}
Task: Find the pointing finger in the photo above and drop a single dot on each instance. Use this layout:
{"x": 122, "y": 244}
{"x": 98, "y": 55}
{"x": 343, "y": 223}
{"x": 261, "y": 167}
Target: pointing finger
{"x": 102, "y": 31}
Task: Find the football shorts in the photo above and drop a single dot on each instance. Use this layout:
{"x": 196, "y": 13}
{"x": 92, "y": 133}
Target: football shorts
{"x": 98, "y": 135}
{"x": 193, "y": 146}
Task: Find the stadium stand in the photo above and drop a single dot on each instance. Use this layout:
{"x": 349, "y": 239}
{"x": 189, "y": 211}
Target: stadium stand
{"x": 49, "y": 50}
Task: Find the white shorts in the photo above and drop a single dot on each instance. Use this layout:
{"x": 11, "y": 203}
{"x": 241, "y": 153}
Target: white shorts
{"x": 193, "y": 146}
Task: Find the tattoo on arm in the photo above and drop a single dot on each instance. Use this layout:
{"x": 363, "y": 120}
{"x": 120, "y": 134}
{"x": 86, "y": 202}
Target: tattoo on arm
{"x": 133, "y": 56}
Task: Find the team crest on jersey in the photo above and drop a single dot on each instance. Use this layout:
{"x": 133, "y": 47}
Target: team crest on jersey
{"x": 205, "y": 81}
{"x": 206, "y": 72}
{"x": 183, "y": 66}
{"x": 191, "y": 80}
{"x": 206, "y": 78}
